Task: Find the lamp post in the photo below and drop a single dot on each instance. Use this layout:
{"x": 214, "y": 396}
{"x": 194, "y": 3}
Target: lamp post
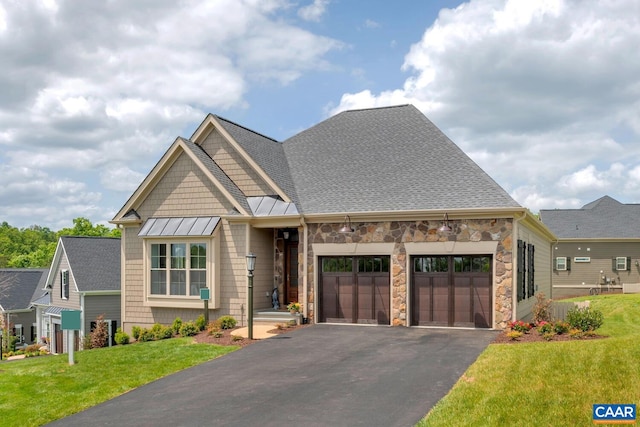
{"x": 251, "y": 264}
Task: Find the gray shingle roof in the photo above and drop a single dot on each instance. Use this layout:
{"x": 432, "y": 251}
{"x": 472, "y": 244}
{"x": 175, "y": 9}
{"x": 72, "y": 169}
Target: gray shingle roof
{"x": 601, "y": 219}
{"x": 94, "y": 262}
{"x": 385, "y": 159}
{"x": 19, "y": 285}
{"x": 266, "y": 152}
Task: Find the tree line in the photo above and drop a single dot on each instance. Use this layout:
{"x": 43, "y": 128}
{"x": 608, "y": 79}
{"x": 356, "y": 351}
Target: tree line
{"x": 34, "y": 246}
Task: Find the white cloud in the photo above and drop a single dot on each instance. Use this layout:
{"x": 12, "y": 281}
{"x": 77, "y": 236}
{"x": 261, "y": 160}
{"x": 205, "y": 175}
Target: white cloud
{"x": 370, "y": 23}
{"x": 543, "y": 95}
{"x": 97, "y": 91}
{"x": 314, "y": 11}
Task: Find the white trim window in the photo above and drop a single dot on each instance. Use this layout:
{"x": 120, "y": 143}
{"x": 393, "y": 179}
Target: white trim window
{"x": 561, "y": 263}
{"x": 64, "y": 284}
{"x": 621, "y": 263}
{"x": 178, "y": 269}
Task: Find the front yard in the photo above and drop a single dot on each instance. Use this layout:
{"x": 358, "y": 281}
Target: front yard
{"x": 39, "y": 390}
{"x": 550, "y": 383}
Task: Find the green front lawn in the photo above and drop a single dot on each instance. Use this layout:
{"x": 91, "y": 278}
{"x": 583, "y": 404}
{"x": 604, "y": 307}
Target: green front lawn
{"x": 550, "y": 383}
{"x": 39, "y": 390}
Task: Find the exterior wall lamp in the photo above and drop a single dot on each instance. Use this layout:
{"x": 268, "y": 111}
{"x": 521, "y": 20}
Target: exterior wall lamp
{"x": 445, "y": 228}
{"x": 346, "y": 228}
{"x": 251, "y": 265}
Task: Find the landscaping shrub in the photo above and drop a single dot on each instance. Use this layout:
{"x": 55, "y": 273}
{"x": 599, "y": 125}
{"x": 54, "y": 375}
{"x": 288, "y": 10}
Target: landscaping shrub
{"x": 227, "y": 322}
{"x": 541, "y": 309}
{"x": 100, "y": 334}
{"x": 121, "y": 337}
{"x": 561, "y": 327}
{"x": 520, "y": 326}
{"x": 236, "y": 338}
{"x": 161, "y": 332}
{"x": 135, "y": 332}
{"x": 514, "y": 335}
{"x": 188, "y": 329}
{"x": 545, "y": 328}
{"x": 32, "y": 348}
{"x": 213, "y": 327}
{"x": 200, "y": 323}
{"x": 217, "y": 334}
{"x": 585, "y": 319}
{"x": 177, "y": 323}
{"x": 146, "y": 335}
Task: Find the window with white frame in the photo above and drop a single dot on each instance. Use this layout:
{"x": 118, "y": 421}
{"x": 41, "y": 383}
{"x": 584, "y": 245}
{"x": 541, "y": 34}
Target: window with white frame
{"x": 561, "y": 263}
{"x": 621, "y": 263}
{"x": 64, "y": 284}
{"x": 178, "y": 269}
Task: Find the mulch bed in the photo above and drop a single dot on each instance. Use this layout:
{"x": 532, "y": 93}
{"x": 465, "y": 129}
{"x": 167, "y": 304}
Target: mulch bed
{"x": 534, "y": 336}
{"x": 227, "y": 338}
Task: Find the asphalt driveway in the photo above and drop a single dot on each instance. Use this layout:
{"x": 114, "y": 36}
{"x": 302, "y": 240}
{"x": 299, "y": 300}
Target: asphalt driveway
{"x": 323, "y": 375}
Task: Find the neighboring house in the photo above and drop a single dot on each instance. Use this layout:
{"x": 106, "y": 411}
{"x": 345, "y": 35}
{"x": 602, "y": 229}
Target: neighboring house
{"x": 18, "y": 286}
{"x": 346, "y": 217}
{"x": 598, "y": 247}
{"x": 85, "y": 276}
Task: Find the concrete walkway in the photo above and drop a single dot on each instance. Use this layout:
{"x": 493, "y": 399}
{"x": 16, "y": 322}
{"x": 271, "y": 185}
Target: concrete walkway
{"x": 259, "y": 331}
{"x": 323, "y": 375}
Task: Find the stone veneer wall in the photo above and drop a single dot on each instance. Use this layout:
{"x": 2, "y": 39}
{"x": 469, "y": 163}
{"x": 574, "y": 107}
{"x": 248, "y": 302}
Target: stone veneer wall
{"x": 472, "y": 230}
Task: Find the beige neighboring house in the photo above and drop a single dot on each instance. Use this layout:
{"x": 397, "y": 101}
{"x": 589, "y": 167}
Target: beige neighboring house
{"x": 369, "y": 217}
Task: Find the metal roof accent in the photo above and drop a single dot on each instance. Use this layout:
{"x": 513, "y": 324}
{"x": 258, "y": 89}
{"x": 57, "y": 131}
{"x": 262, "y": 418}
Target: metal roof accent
{"x": 271, "y": 206}
{"x": 54, "y": 311}
{"x": 179, "y": 227}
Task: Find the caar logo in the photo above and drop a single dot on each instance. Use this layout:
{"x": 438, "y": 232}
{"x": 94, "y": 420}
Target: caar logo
{"x": 614, "y": 414}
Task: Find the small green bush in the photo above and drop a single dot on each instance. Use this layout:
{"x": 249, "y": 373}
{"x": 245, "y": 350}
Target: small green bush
{"x": 217, "y": 334}
{"x": 121, "y": 337}
{"x": 213, "y": 327}
{"x": 146, "y": 335}
{"x": 236, "y": 338}
{"x": 188, "y": 329}
{"x": 200, "y": 323}
{"x": 585, "y": 319}
{"x": 177, "y": 324}
{"x": 164, "y": 333}
{"x": 135, "y": 332}
{"x": 227, "y": 322}
{"x": 561, "y": 327}
{"x": 545, "y": 327}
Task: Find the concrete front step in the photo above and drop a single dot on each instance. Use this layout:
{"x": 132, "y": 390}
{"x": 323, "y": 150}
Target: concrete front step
{"x": 275, "y": 316}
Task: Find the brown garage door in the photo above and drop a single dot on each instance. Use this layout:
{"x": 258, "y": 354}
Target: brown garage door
{"x": 354, "y": 290}
{"x": 451, "y": 291}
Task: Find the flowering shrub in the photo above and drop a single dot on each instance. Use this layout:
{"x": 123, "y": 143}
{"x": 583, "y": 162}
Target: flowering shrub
{"x": 294, "y": 307}
{"x": 585, "y": 319}
{"x": 545, "y": 327}
{"x": 520, "y": 326}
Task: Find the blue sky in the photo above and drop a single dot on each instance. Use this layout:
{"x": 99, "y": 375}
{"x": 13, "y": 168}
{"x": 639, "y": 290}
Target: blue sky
{"x": 543, "y": 95}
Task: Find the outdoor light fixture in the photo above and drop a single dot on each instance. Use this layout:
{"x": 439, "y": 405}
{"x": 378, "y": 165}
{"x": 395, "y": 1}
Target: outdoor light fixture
{"x": 251, "y": 264}
{"x": 445, "y": 228}
{"x": 285, "y": 234}
{"x": 347, "y": 228}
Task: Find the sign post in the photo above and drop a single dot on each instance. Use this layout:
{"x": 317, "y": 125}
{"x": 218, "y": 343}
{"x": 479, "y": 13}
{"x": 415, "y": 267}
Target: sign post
{"x": 71, "y": 322}
{"x": 204, "y": 295}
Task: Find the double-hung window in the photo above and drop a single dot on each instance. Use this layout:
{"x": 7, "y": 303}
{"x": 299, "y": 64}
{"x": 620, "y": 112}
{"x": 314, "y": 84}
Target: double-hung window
{"x": 561, "y": 263}
{"x": 178, "y": 268}
{"x": 64, "y": 284}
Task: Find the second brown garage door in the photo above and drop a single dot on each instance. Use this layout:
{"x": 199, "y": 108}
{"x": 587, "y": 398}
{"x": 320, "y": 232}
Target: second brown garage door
{"x": 354, "y": 289}
{"x": 451, "y": 291}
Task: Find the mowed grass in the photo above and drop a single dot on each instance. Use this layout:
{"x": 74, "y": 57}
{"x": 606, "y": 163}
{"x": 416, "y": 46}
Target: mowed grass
{"x": 38, "y": 390}
{"x": 554, "y": 383}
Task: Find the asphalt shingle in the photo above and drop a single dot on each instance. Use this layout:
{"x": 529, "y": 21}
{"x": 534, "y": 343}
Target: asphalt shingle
{"x": 18, "y": 286}
{"x": 94, "y": 262}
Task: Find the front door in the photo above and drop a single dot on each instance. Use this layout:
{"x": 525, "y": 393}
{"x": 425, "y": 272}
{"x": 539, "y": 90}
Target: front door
{"x": 291, "y": 272}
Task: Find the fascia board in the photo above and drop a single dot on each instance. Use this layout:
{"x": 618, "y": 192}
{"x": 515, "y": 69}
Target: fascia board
{"x": 431, "y": 215}
{"x": 203, "y": 132}
{"x": 55, "y": 263}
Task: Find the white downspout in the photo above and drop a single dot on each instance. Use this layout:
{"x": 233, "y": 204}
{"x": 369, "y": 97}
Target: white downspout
{"x": 305, "y": 282}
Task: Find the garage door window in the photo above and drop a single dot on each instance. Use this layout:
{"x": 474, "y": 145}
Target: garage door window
{"x": 476, "y": 264}
{"x": 337, "y": 265}
{"x": 437, "y": 264}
